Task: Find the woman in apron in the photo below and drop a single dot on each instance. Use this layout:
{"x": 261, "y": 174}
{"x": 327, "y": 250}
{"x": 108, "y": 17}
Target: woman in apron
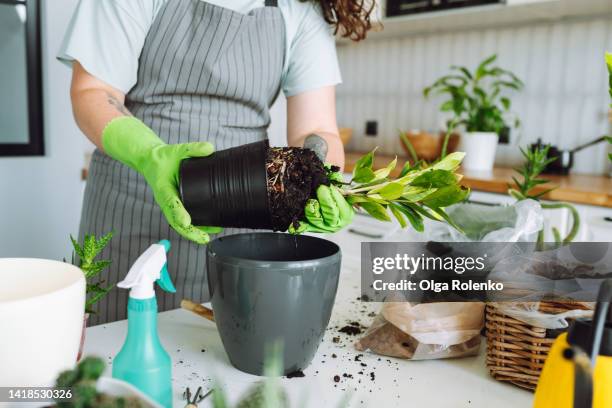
{"x": 157, "y": 81}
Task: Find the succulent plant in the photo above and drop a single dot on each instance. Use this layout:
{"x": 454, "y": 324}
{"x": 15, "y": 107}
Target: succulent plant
{"x": 87, "y": 252}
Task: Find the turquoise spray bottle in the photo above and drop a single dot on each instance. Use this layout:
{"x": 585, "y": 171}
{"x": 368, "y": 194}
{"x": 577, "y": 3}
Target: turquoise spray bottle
{"x": 142, "y": 361}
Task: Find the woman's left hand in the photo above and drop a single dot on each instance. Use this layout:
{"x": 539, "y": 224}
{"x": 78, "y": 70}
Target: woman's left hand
{"x": 330, "y": 212}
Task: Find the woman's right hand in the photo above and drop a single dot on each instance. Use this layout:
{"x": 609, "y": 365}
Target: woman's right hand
{"x": 130, "y": 141}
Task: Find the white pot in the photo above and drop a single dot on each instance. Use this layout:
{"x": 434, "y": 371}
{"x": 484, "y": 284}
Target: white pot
{"x": 42, "y": 306}
{"x": 479, "y": 148}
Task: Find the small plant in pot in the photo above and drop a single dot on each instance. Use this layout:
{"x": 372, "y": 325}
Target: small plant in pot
{"x": 256, "y": 186}
{"x": 85, "y": 256}
{"x": 478, "y": 102}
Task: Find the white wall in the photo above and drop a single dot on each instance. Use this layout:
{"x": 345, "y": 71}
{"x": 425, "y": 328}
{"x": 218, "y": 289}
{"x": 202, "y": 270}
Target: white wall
{"x": 40, "y": 197}
{"x": 565, "y": 100}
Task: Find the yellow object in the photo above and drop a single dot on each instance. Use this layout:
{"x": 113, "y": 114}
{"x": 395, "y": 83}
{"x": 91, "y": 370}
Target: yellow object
{"x": 556, "y": 385}
{"x": 572, "y": 379}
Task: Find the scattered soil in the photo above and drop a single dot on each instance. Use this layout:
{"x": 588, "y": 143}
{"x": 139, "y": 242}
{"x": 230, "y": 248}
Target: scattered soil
{"x": 296, "y": 373}
{"x": 294, "y": 174}
{"x": 352, "y": 329}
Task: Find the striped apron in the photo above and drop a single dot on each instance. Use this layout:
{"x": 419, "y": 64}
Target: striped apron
{"x": 206, "y": 73}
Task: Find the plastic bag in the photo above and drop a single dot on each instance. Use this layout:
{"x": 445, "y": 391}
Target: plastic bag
{"x": 519, "y": 222}
{"x": 426, "y": 330}
{"x": 570, "y": 274}
{"x": 420, "y": 331}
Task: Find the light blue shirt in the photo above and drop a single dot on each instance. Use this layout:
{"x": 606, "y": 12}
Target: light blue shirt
{"x": 107, "y": 36}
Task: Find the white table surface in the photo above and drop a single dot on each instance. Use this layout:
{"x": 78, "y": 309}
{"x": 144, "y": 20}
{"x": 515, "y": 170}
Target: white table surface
{"x": 199, "y": 360}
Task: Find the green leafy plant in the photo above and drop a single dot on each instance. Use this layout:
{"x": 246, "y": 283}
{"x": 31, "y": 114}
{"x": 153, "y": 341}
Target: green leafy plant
{"x": 536, "y": 160}
{"x": 421, "y": 191}
{"x": 477, "y": 98}
{"x": 87, "y": 254}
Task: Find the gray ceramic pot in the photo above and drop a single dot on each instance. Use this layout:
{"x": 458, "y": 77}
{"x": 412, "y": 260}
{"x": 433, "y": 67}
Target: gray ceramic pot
{"x": 267, "y": 287}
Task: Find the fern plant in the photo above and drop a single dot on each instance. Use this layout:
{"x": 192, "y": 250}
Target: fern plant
{"x": 87, "y": 254}
{"x": 536, "y": 160}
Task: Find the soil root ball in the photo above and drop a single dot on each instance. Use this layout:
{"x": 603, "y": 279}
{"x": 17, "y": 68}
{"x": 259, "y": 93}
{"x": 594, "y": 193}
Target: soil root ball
{"x": 294, "y": 174}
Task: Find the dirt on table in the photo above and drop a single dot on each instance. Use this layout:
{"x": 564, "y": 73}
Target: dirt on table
{"x": 294, "y": 174}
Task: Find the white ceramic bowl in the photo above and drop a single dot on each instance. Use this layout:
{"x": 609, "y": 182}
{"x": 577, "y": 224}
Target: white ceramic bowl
{"x": 42, "y": 306}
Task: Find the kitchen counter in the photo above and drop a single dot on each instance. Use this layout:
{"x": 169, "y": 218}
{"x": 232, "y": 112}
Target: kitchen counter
{"x": 575, "y": 188}
{"x": 199, "y": 359}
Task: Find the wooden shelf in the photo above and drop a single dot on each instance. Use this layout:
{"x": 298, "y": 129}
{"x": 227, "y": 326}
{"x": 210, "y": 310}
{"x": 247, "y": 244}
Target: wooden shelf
{"x": 514, "y": 12}
{"x": 575, "y": 188}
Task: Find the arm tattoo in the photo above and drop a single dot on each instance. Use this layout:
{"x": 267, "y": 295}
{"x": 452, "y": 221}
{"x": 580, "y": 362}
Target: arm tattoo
{"x": 317, "y": 144}
{"x": 117, "y": 105}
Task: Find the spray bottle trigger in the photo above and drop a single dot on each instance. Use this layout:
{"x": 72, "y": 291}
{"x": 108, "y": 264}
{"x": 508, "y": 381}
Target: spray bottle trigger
{"x": 164, "y": 280}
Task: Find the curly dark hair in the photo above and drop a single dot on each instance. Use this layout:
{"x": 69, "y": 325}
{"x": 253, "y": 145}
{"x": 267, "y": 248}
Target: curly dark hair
{"x": 350, "y": 18}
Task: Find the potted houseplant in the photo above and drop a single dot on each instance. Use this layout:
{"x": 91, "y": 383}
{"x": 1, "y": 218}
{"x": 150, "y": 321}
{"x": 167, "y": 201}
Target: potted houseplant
{"x": 478, "y": 102}
{"x": 85, "y": 257}
{"x": 257, "y": 186}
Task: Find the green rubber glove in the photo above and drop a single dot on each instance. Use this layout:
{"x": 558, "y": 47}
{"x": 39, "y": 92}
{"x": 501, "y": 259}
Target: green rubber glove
{"x": 133, "y": 143}
{"x": 330, "y": 212}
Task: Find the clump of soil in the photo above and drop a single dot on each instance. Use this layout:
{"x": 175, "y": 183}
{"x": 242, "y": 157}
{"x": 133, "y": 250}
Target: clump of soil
{"x": 296, "y": 374}
{"x": 352, "y": 329}
{"x": 294, "y": 174}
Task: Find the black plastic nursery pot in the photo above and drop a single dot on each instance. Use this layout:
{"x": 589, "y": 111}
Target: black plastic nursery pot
{"x": 228, "y": 188}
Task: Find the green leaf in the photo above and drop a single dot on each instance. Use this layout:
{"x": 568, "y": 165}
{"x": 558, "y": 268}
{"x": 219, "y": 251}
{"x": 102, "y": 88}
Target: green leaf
{"x": 415, "y": 219}
{"x": 408, "y": 168}
{"x": 442, "y": 214}
{"x": 398, "y": 215}
{"x": 451, "y": 162}
{"x": 384, "y": 173}
{"x": 357, "y": 199}
{"x": 464, "y": 70}
{"x": 424, "y": 212}
{"x": 376, "y": 210}
{"x": 102, "y": 242}
{"x": 505, "y": 102}
{"x": 377, "y": 198}
{"x": 435, "y": 178}
{"x": 415, "y": 194}
{"x": 390, "y": 191}
{"x": 363, "y": 175}
{"x": 365, "y": 162}
{"x": 446, "y": 196}
{"x": 481, "y": 70}
{"x": 447, "y": 106}
{"x": 77, "y": 248}
{"x": 98, "y": 294}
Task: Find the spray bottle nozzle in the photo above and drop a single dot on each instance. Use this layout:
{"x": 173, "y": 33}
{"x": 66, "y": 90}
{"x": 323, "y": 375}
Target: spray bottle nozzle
{"x": 150, "y": 267}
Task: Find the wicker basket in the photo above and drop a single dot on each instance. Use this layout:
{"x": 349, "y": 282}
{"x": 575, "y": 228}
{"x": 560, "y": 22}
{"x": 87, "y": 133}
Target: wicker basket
{"x": 516, "y": 351}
